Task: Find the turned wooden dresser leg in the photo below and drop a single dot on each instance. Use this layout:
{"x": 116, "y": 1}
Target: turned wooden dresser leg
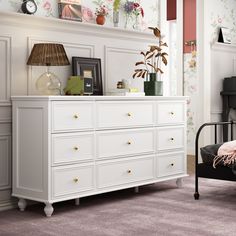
{"x": 179, "y": 182}
{"x": 22, "y": 204}
{"x": 77, "y": 201}
{"x": 48, "y": 209}
{"x": 136, "y": 189}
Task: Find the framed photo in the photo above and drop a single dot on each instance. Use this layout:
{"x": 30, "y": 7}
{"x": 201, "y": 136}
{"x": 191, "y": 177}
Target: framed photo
{"x": 89, "y": 68}
{"x": 70, "y": 10}
{"x": 224, "y": 35}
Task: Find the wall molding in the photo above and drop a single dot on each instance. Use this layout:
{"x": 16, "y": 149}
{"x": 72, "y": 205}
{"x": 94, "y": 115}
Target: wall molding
{"x": 6, "y": 138}
{"x": 32, "y": 40}
{"x": 223, "y": 47}
{"x": 110, "y": 49}
{"x": 8, "y": 204}
{"x": 7, "y": 40}
{"x": 54, "y": 24}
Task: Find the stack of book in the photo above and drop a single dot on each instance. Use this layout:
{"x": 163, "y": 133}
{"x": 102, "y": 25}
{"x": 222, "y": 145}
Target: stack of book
{"x": 124, "y": 92}
{"x": 70, "y": 9}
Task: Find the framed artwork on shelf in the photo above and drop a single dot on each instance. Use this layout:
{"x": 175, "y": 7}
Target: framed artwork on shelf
{"x": 224, "y": 35}
{"x": 70, "y": 10}
{"x": 89, "y": 68}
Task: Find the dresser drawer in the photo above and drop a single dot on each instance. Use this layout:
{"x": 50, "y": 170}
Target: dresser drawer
{"x": 72, "y": 179}
{"x": 125, "y": 114}
{"x": 73, "y": 147}
{"x": 170, "y": 138}
{"x": 127, "y": 142}
{"x": 173, "y": 164}
{"x": 170, "y": 113}
{"x": 125, "y": 171}
{"x": 69, "y": 116}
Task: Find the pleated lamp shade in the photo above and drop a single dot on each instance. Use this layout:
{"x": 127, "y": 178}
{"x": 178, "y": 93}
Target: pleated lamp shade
{"x": 48, "y": 54}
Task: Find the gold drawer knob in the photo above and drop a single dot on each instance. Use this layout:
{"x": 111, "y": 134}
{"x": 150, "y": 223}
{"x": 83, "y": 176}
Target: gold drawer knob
{"x": 172, "y": 164}
{"x": 76, "y": 148}
{"x": 129, "y": 114}
{"x": 129, "y": 143}
{"x": 172, "y": 113}
{"x": 76, "y": 180}
{"x": 76, "y": 116}
{"x": 129, "y": 171}
{"x": 172, "y": 139}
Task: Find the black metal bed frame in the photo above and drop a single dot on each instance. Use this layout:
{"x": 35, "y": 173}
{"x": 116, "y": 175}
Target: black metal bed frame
{"x": 205, "y": 170}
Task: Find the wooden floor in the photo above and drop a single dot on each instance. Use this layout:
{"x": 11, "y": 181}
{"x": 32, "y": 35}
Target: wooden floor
{"x": 191, "y": 164}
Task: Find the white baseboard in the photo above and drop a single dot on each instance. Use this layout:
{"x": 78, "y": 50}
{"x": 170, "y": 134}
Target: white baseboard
{"x": 7, "y": 205}
{"x": 190, "y": 151}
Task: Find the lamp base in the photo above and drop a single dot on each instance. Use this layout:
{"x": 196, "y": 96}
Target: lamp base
{"x": 48, "y": 84}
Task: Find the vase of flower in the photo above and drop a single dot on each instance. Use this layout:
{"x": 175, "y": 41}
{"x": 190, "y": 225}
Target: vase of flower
{"x": 101, "y": 13}
{"x": 100, "y": 19}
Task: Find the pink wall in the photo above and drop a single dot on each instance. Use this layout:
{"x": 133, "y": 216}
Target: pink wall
{"x": 171, "y": 9}
{"x": 189, "y": 23}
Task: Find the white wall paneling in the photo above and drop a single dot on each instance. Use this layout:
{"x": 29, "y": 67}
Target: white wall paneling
{"x": 119, "y": 64}
{"x": 63, "y": 72}
{"x": 5, "y": 68}
{"x": 5, "y": 162}
{"x": 222, "y": 65}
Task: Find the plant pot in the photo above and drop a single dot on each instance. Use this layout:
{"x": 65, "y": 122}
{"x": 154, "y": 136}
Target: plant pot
{"x": 152, "y": 76}
{"x": 100, "y": 20}
{"x": 153, "y": 88}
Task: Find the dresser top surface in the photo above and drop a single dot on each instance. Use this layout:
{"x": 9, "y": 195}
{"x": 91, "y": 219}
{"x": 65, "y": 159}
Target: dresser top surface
{"x": 97, "y": 98}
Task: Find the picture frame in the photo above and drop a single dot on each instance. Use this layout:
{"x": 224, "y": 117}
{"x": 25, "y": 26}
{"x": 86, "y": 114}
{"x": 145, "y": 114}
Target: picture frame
{"x": 89, "y": 68}
{"x": 224, "y": 35}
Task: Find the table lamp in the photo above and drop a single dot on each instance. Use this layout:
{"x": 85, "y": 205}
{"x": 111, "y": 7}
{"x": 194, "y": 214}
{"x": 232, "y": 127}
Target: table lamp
{"x": 48, "y": 54}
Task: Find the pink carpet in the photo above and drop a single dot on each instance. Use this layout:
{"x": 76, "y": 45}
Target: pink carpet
{"x": 158, "y": 210}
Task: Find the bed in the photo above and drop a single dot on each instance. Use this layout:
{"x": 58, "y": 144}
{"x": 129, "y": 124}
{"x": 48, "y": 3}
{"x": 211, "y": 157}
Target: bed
{"x": 205, "y": 169}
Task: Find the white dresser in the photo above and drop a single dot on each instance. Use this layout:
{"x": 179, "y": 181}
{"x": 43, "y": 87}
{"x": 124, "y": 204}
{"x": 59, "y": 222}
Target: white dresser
{"x": 68, "y": 147}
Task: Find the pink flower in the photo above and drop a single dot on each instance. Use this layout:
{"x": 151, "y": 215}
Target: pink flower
{"x": 142, "y": 12}
{"x": 47, "y": 5}
{"x": 87, "y": 14}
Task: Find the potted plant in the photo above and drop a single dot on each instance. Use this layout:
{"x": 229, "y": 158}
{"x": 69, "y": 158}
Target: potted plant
{"x": 101, "y": 13}
{"x": 151, "y": 66}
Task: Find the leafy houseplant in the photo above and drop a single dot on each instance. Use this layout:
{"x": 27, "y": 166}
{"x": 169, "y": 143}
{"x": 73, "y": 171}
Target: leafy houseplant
{"x": 151, "y": 65}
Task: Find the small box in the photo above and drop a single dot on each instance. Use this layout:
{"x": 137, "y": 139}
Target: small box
{"x": 70, "y": 10}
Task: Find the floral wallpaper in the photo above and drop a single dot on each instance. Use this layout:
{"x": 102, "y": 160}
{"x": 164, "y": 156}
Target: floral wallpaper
{"x": 224, "y": 14}
{"x": 191, "y": 90}
{"x": 49, "y": 8}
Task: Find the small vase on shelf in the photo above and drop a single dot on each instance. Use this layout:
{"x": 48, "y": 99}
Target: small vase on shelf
{"x": 116, "y": 18}
{"x": 127, "y": 21}
{"x": 136, "y": 25}
{"x": 100, "y": 19}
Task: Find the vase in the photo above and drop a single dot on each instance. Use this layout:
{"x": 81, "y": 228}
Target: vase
{"x": 152, "y": 76}
{"x": 127, "y": 21}
{"x": 115, "y": 18}
{"x": 100, "y": 19}
{"x": 136, "y": 24}
{"x": 153, "y": 87}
